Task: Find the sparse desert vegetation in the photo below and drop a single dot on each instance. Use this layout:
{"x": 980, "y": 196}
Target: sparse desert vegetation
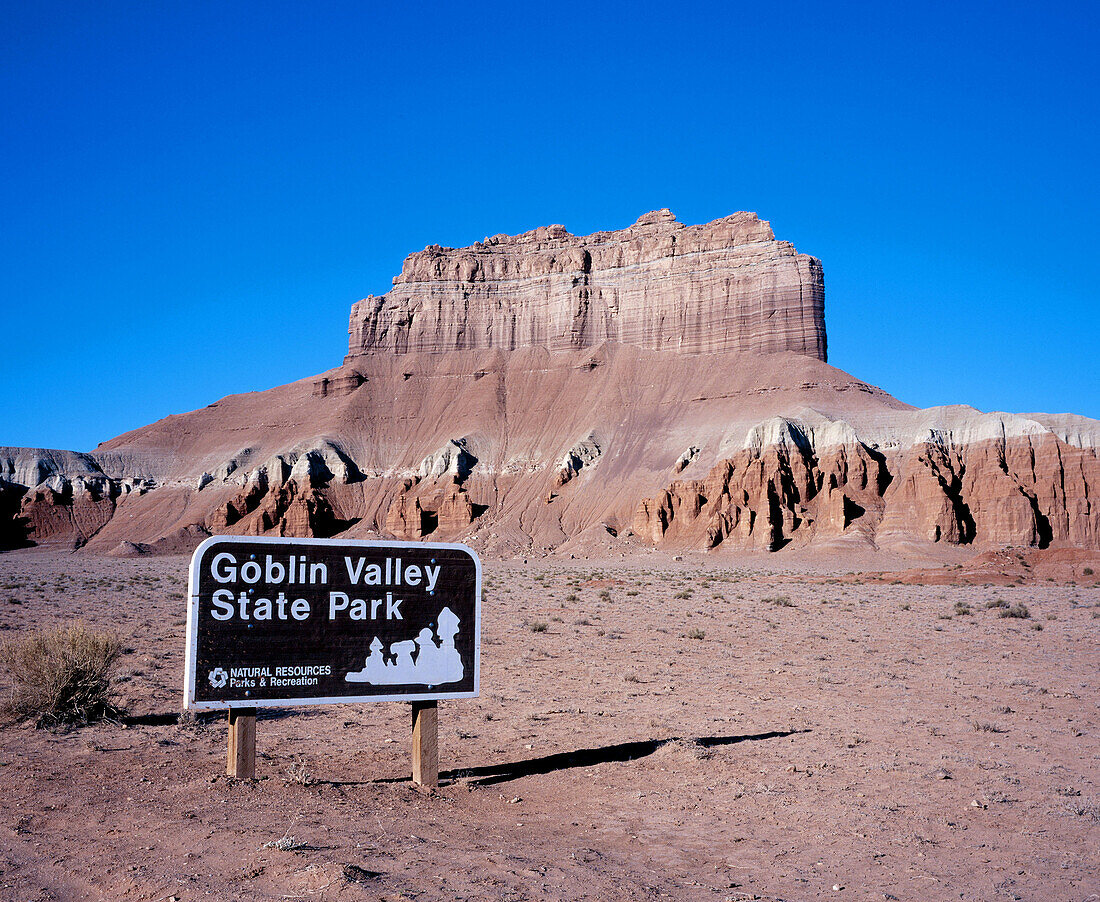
{"x": 811, "y": 728}
{"x": 61, "y": 675}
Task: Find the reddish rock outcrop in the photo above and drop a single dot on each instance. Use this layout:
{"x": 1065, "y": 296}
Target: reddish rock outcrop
{"x": 60, "y": 497}
{"x": 768, "y": 495}
{"x": 544, "y": 391}
{"x": 726, "y": 285}
{"x": 1028, "y": 490}
{"x": 441, "y": 510}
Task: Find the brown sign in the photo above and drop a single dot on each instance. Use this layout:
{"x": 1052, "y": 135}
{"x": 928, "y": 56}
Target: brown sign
{"x": 318, "y": 621}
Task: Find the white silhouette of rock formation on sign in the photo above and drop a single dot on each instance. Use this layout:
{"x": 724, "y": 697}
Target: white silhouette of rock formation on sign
{"x": 433, "y": 664}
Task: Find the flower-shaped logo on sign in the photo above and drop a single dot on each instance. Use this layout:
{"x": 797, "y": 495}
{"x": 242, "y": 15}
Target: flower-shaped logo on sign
{"x": 217, "y": 677}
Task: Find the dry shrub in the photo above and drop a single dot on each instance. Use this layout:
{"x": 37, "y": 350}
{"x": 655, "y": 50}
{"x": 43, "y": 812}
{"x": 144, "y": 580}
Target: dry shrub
{"x": 783, "y": 601}
{"x": 684, "y": 749}
{"x": 61, "y": 676}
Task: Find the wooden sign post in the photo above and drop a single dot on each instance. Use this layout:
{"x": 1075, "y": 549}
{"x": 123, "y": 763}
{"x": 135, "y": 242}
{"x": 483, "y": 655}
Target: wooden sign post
{"x": 241, "y": 762}
{"x": 279, "y": 622}
{"x": 425, "y": 743}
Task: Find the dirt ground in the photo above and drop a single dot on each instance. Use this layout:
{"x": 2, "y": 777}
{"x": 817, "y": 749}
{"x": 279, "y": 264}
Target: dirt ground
{"x": 648, "y": 729}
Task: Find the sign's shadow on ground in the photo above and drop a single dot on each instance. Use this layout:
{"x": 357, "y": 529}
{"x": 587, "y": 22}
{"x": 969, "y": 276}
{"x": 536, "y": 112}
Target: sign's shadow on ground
{"x": 490, "y": 774}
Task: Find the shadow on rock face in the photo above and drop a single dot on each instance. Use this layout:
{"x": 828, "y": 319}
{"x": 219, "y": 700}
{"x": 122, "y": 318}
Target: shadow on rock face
{"x": 14, "y": 529}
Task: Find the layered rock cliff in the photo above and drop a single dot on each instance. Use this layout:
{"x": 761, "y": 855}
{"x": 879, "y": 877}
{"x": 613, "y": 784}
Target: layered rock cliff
{"x": 724, "y": 286}
{"x": 967, "y": 479}
{"x": 550, "y": 393}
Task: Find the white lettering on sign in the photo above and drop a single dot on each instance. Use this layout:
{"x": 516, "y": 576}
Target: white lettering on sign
{"x": 297, "y": 570}
{"x": 356, "y": 608}
{"x": 391, "y": 574}
{"x": 248, "y": 608}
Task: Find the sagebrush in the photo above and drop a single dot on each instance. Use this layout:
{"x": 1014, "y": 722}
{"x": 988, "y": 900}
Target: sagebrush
{"x": 61, "y": 676}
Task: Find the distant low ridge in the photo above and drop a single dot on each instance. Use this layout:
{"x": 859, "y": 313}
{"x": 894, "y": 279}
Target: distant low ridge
{"x": 546, "y": 393}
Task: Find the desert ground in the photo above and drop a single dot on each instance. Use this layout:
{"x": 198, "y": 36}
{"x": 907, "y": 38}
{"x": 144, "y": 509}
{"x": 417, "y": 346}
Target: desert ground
{"x": 648, "y": 728}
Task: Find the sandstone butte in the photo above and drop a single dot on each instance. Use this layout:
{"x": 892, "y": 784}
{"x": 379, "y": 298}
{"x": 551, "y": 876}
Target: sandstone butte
{"x": 660, "y": 385}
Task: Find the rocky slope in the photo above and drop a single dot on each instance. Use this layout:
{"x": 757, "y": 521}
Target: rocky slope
{"x": 662, "y": 384}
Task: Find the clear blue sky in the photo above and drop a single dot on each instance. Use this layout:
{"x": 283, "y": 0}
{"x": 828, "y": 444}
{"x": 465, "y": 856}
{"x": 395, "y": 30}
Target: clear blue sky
{"x": 194, "y": 194}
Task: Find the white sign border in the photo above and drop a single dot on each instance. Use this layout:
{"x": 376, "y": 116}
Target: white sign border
{"x": 193, "y": 621}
